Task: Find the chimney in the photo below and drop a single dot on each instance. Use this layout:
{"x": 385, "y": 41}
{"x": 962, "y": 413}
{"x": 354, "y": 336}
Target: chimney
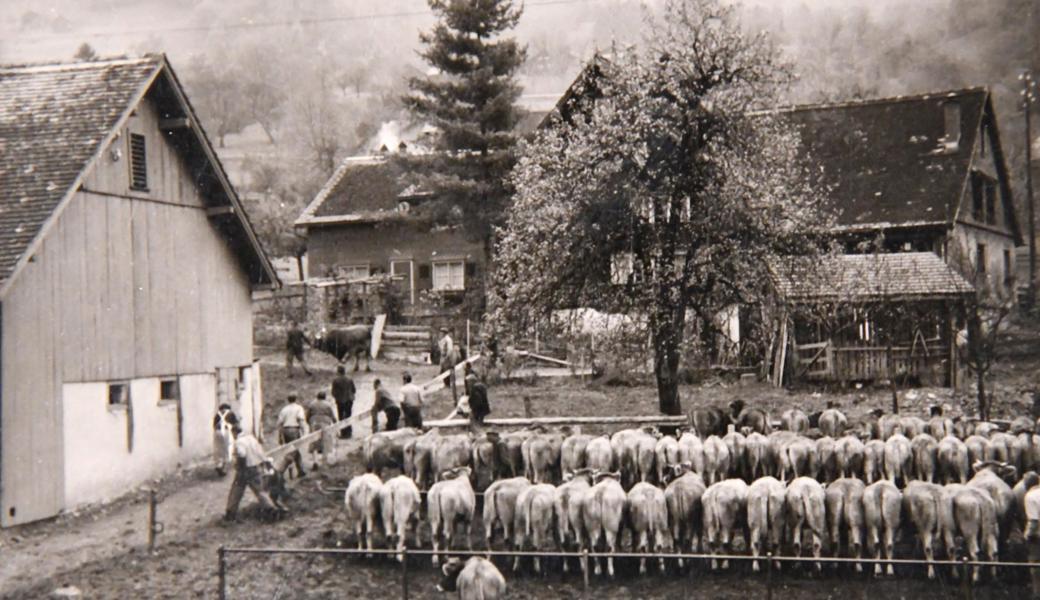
{"x": 952, "y": 125}
{"x": 383, "y": 149}
{"x": 402, "y": 147}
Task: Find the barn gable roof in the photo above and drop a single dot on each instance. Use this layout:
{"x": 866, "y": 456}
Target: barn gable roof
{"x": 57, "y": 119}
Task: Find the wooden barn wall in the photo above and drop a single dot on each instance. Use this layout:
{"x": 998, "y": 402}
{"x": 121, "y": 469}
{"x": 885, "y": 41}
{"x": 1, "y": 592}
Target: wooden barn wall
{"x": 125, "y": 285}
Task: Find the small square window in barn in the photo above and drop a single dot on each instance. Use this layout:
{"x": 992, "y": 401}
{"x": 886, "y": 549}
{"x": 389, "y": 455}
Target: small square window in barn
{"x": 138, "y": 163}
{"x": 169, "y": 391}
{"x": 118, "y": 394}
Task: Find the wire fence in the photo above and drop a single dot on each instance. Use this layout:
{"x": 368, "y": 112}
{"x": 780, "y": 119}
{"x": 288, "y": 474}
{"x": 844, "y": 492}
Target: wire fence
{"x": 963, "y": 569}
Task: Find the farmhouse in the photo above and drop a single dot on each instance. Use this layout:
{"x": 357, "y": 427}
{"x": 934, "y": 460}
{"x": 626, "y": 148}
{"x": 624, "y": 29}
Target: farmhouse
{"x": 126, "y": 269}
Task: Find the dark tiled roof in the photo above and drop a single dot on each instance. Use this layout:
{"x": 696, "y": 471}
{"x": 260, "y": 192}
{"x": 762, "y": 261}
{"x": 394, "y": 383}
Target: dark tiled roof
{"x": 865, "y": 277}
{"x": 880, "y": 159}
{"x": 362, "y": 189}
{"x": 53, "y": 119}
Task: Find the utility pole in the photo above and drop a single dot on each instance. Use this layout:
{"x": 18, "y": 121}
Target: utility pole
{"x": 1028, "y": 96}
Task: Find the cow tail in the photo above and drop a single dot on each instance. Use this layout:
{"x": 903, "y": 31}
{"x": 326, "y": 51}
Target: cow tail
{"x": 813, "y": 517}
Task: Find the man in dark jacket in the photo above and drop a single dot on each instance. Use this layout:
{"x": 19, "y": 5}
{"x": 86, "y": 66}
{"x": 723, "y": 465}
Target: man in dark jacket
{"x": 386, "y": 404}
{"x": 343, "y": 391}
{"x": 478, "y": 404}
{"x": 295, "y": 340}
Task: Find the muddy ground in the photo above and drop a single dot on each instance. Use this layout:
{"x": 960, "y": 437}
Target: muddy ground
{"x": 113, "y": 562}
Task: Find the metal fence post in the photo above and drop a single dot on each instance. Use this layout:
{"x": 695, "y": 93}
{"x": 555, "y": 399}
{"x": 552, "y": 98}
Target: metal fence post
{"x": 585, "y": 572}
{"x": 769, "y": 576}
{"x": 404, "y": 573}
{"x": 222, "y": 572}
{"x": 966, "y": 579}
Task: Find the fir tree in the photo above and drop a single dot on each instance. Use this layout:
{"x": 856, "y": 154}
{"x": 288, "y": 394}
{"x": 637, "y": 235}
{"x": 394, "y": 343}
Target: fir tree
{"x": 470, "y": 98}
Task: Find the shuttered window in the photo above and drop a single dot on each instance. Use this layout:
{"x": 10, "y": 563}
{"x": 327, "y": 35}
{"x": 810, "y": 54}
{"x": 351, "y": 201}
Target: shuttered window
{"x": 138, "y": 163}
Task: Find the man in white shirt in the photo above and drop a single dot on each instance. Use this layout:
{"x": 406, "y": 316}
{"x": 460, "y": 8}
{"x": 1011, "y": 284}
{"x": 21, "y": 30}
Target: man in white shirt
{"x": 249, "y": 462}
{"x": 449, "y": 358}
{"x": 411, "y": 402}
{"x": 292, "y": 425}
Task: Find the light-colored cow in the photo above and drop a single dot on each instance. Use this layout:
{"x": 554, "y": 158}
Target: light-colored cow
{"x": 683, "y": 497}
{"x": 725, "y": 508}
{"x": 767, "y": 516}
{"x": 648, "y": 515}
{"x": 362, "y": 503}
{"x": 873, "y": 460}
{"x": 691, "y": 450}
{"x": 806, "y": 507}
{"x": 973, "y": 515}
{"x": 844, "y": 499}
{"x": 795, "y": 420}
{"x": 953, "y": 460}
{"x": 899, "y": 459}
{"x": 716, "y": 459}
{"x": 827, "y": 459}
{"x": 882, "y": 511}
{"x": 604, "y": 508}
{"x": 449, "y": 502}
{"x": 926, "y": 452}
{"x": 567, "y": 507}
{"x": 924, "y": 505}
{"x": 833, "y": 423}
{"x": 759, "y": 455}
{"x": 598, "y": 454}
{"x": 400, "y": 501}
{"x": 450, "y": 452}
{"x": 572, "y": 452}
{"x": 666, "y": 455}
{"x": 500, "y": 508}
{"x": 736, "y": 443}
{"x": 534, "y": 521}
{"x": 848, "y": 456}
{"x": 475, "y": 579}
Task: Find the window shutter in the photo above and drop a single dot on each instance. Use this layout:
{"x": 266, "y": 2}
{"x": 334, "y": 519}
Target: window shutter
{"x": 471, "y": 269}
{"x": 138, "y": 163}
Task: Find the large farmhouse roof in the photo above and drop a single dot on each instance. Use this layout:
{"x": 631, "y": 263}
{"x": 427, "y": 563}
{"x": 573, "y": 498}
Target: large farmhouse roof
{"x": 888, "y": 162}
{"x": 868, "y": 277}
{"x": 55, "y": 121}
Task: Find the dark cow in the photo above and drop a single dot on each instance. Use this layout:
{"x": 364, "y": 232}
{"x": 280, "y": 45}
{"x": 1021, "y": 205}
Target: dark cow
{"x": 345, "y": 342}
{"x": 754, "y": 419}
{"x": 710, "y": 420}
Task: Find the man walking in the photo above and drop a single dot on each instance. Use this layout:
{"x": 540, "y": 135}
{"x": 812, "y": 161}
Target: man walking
{"x": 249, "y": 463}
{"x": 343, "y": 391}
{"x": 295, "y": 340}
{"x": 321, "y": 414}
{"x": 411, "y": 402}
{"x": 384, "y": 403}
{"x": 292, "y": 425}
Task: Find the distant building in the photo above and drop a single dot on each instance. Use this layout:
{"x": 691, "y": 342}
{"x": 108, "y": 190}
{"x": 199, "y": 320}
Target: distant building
{"x": 126, "y": 267}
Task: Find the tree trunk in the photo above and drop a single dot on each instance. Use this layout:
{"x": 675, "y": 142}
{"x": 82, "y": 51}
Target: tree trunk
{"x": 666, "y": 338}
{"x": 980, "y": 376}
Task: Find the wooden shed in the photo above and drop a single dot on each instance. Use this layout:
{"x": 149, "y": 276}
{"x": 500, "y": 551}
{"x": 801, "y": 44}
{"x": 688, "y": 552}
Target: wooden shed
{"x": 866, "y": 317}
{"x": 126, "y": 269}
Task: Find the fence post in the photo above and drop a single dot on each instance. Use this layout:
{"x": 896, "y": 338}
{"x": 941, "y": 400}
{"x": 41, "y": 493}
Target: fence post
{"x": 966, "y": 578}
{"x": 769, "y": 576}
{"x": 222, "y": 572}
{"x": 404, "y": 573}
{"x": 154, "y": 527}
{"x": 585, "y": 572}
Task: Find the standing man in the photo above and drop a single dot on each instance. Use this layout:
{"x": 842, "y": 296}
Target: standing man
{"x": 321, "y": 413}
{"x": 449, "y": 358}
{"x": 411, "y": 402}
{"x": 249, "y": 463}
{"x": 223, "y": 439}
{"x": 384, "y": 403}
{"x": 292, "y": 423}
{"x": 343, "y": 391}
{"x": 295, "y": 340}
{"x": 479, "y": 407}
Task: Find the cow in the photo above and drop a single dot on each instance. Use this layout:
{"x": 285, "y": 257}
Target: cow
{"x": 399, "y": 501}
{"x": 513, "y": 445}
{"x": 873, "y": 460}
{"x": 1000, "y": 447}
{"x": 887, "y": 425}
{"x": 345, "y": 342}
{"x": 634, "y": 454}
{"x": 418, "y": 457}
{"x": 766, "y": 514}
{"x": 973, "y": 515}
{"x": 899, "y": 459}
{"x": 716, "y": 460}
{"x": 500, "y": 508}
{"x": 759, "y": 455}
{"x": 666, "y": 455}
{"x": 1029, "y": 480}
{"x": 1026, "y": 451}
{"x": 985, "y": 428}
{"x": 449, "y": 453}
{"x": 603, "y": 510}
{"x": 691, "y": 450}
{"x": 598, "y": 454}
{"x": 795, "y": 420}
{"x": 572, "y": 452}
{"x": 487, "y": 459}
{"x": 648, "y": 516}
{"x": 724, "y": 508}
{"x": 450, "y": 501}
{"x": 683, "y": 498}
{"x": 992, "y": 478}
{"x": 925, "y": 452}
{"x": 386, "y": 449}
{"x": 940, "y": 427}
{"x": 826, "y": 459}
{"x": 844, "y": 499}
{"x": 475, "y": 579}
{"x": 1021, "y": 424}
{"x": 806, "y": 506}
{"x": 882, "y": 513}
{"x": 567, "y": 508}
{"x": 361, "y": 500}
{"x": 541, "y": 453}
{"x": 709, "y": 420}
{"x": 925, "y": 506}
{"x": 953, "y": 460}
{"x": 736, "y": 444}
{"x": 798, "y": 457}
{"x": 534, "y": 520}
{"x": 848, "y": 456}
{"x": 912, "y": 426}
{"x": 833, "y": 423}
{"x": 747, "y": 418}
{"x": 978, "y": 448}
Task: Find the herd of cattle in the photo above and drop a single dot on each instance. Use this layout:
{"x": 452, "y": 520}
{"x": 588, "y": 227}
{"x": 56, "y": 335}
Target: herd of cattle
{"x": 952, "y": 484}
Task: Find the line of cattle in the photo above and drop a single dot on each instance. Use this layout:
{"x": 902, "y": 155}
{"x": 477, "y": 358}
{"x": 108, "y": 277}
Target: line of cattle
{"x": 730, "y": 475}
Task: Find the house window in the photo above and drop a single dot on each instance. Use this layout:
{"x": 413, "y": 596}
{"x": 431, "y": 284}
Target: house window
{"x": 980, "y": 258}
{"x": 355, "y": 272}
{"x": 622, "y": 268}
{"x": 169, "y": 391}
{"x": 138, "y": 163}
{"x": 449, "y": 275}
{"x": 118, "y": 394}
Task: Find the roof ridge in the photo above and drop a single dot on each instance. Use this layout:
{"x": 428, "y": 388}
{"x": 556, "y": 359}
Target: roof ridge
{"x": 871, "y": 101}
{"x": 54, "y": 66}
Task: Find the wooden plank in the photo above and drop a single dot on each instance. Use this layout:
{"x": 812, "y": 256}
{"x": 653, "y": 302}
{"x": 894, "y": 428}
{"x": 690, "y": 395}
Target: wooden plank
{"x": 439, "y": 380}
{"x": 377, "y": 334}
{"x": 526, "y": 354}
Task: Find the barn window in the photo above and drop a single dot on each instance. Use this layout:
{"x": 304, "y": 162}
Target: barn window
{"x": 138, "y": 163}
{"x": 118, "y": 394}
{"x": 169, "y": 391}
{"x": 449, "y": 275}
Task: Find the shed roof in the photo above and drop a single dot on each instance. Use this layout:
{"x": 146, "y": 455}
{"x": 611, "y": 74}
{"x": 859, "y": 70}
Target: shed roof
{"x": 868, "y": 277}
{"x": 56, "y": 119}
{"x": 363, "y": 189}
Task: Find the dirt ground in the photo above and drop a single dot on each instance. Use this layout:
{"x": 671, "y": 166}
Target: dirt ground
{"x": 102, "y": 551}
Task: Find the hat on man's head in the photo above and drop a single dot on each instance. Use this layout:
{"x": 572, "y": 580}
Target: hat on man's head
{"x": 321, "y": 395}
{"x": 224, "y": 406}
